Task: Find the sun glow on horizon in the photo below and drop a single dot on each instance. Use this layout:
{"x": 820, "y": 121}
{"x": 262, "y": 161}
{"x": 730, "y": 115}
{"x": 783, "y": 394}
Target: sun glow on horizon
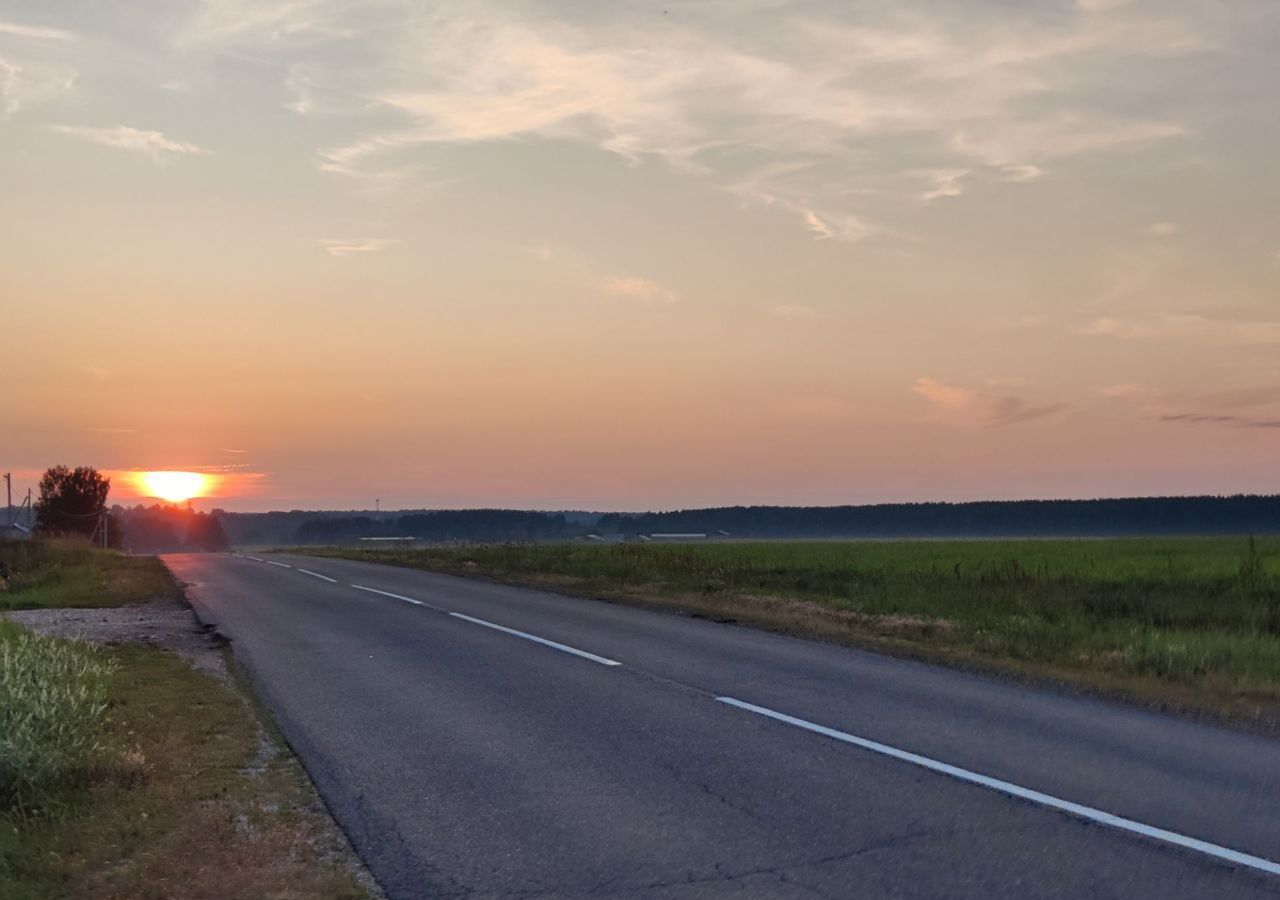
{"x": 173, "y": 487}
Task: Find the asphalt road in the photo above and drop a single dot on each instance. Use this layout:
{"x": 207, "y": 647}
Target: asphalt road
{"x": 648, "y": 755}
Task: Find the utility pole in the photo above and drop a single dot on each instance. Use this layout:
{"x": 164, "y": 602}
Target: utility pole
{"x": 99, "y": 535}
{"x": 8, "y": 489}
{"x": 377, "y": 504}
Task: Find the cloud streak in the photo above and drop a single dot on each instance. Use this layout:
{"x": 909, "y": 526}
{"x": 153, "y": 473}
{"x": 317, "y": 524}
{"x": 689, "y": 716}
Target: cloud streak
{"x": 122, "y": 137}
{"x": 636, "y": 288}
{"x": 36, "y": 32}
{"x": 356, "y": 247}
{"x": 983, "y": 408}
{"x": 1186, "y": 326}
{"x": 1221, "y": 419}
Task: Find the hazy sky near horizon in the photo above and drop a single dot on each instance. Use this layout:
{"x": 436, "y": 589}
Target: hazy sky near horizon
{"x": 637, "y": 255}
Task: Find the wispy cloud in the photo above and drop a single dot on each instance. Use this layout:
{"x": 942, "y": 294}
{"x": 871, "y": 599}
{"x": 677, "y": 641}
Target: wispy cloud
{"x": 943, "y": 183}
{"x": 25, "y": 84}
{"x": 37, "y": 32}
{"x": 578, "y": 272}
{"x": 1186, "y": 326}
{"x": 796, "y": 100}
{"x": 356, "y": 247}
{"x": 636, "y": 288}
{"x": 981, "y": 407}
{"x": 122, "y": 137}
{"x": 1163, "y": 229}
{"x": 1250, "y": 406}
{"x": 1221, "y": 419}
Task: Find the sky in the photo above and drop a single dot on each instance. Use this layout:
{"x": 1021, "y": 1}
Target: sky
{"x": 570, "y": 254}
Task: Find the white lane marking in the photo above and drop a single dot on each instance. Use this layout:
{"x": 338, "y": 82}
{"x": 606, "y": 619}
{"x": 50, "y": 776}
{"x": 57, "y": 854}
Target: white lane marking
{"x": 256, "y": 558}
{"x": 1005, "y": 787}
{"x": 361, "y": 587}
{"x": 537, "y": 640}
{"x": 318, "y": 575}
{"x": 272, "y": 562}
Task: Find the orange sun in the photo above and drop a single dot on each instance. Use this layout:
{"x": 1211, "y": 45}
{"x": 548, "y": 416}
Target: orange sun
{"x": 174, "y": 487}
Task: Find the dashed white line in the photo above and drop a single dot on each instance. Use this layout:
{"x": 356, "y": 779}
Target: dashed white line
{"x": 361, "y": 587}
{"x": 1005, "y": 787}
{"x": 272, "y": 562}
{"x": 537, "y": 640}
{"x": 318, "y": 575}
{"x": 256, "y": 558}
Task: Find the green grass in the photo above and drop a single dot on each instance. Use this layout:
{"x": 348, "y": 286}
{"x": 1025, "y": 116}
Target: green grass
{"x": 69, "y": 573}
{"x": 52, "y": 713}
{"x": 1188, "y": 621}
{"x": 183, "y": 803}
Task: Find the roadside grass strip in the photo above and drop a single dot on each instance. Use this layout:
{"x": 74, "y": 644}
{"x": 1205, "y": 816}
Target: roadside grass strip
{"x": 1073, "y": 809}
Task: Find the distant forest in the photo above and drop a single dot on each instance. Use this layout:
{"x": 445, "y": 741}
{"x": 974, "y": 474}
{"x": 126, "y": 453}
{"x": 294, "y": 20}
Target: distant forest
{"x": 167, "y": 529}
{"x": 1243, "y": 514}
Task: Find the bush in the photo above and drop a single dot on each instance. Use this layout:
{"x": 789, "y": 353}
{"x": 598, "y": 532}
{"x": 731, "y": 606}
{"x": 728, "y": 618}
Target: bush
{"x": 53, "y": 704}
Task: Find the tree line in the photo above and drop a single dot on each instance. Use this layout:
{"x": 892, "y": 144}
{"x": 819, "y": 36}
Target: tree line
{"x": 1240, "y": 514}
{"x": 73, "y": 501}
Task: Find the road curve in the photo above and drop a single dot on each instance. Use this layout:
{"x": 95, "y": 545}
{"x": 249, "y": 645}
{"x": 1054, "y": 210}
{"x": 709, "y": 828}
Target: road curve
{"x": 476, "y": 740}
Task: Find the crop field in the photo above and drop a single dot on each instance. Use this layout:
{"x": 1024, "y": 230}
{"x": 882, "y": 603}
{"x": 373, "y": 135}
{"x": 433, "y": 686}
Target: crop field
{"x": 1185, "y": 621}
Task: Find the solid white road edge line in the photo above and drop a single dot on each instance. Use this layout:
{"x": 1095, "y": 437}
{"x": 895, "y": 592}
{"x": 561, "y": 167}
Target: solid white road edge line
{"x": 1005, "y": 787}
{"x": 318, "y": 575}
{"x": 537, "y": 640}
{"x": 272, "y": 562}
{"x": 361, "y": 587}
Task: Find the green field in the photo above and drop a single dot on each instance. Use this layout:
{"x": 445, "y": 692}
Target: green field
{"x": 1187, "y": 621}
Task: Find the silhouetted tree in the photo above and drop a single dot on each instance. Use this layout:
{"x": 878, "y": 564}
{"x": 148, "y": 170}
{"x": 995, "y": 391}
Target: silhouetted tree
{"x": 205, "y": 533}
{"x": 71, "y": 500}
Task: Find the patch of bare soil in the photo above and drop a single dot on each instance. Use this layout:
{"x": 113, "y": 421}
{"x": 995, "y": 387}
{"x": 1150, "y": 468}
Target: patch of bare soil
{"x": 164, "y": 623}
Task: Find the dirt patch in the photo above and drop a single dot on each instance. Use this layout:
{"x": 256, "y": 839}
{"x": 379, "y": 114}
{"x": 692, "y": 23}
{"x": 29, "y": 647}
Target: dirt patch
{"x": 165, "y": 623}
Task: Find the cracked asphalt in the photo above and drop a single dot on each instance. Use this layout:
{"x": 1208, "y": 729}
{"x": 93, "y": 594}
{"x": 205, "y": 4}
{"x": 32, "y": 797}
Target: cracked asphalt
{"x": 468, "y": 762}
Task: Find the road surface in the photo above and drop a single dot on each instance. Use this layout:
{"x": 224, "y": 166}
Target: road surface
{"x": 476, "y": 740}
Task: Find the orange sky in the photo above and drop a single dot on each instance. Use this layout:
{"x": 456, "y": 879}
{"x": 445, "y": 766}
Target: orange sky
{"x": 566, "y": 256}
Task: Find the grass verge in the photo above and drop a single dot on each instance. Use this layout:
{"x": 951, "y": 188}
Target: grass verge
{"x": 66, "y": 572}
{"x": 1184, "y": 623}
{"x": 126, "y": 773}
{"x": 188, "y": 798}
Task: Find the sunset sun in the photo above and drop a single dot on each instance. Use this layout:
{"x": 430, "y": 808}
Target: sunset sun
{"x": 174, "y": 487}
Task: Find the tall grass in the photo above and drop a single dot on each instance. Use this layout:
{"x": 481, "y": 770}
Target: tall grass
{"x": 61, "y": 572}
{"x": 53, "y": 706}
